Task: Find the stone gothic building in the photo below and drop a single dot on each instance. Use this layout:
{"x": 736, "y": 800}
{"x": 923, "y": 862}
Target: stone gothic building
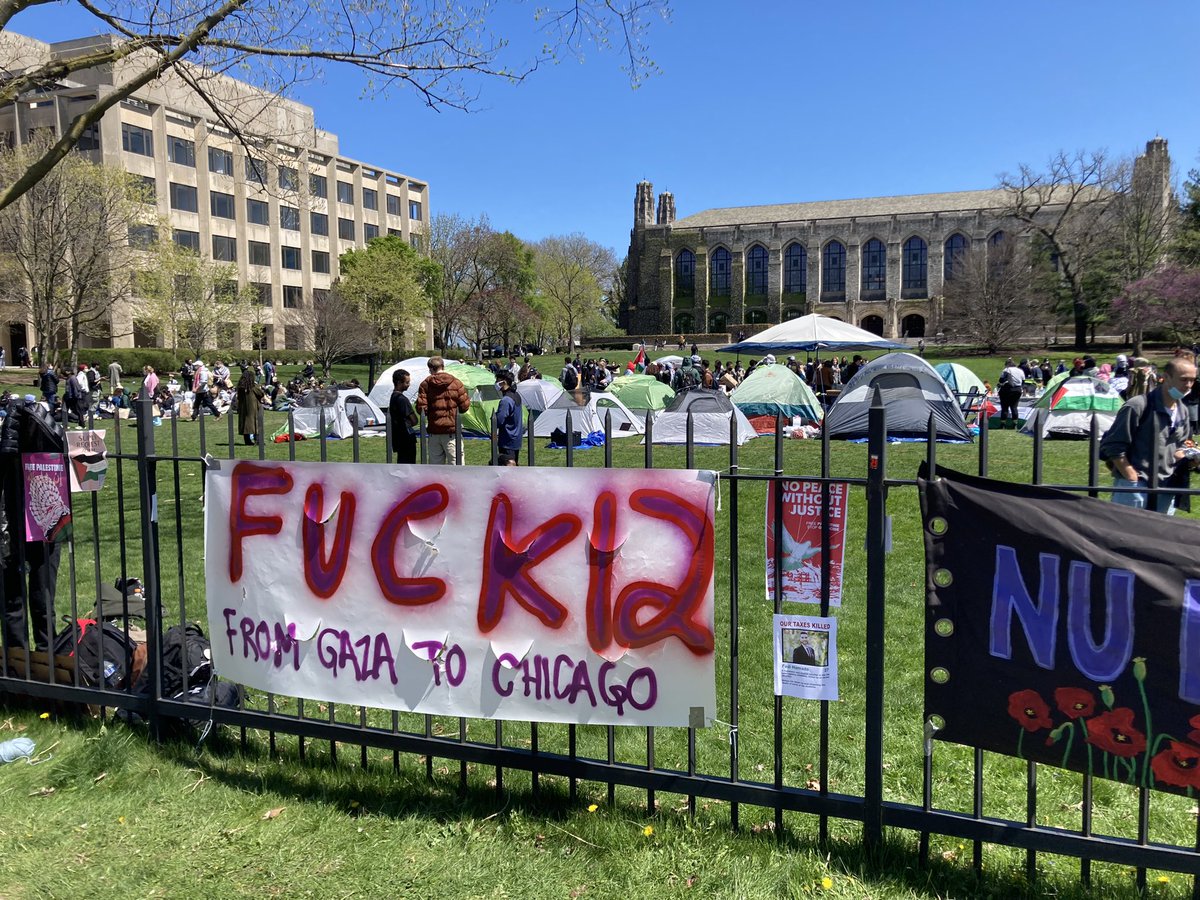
{"x": 878, "y": 262}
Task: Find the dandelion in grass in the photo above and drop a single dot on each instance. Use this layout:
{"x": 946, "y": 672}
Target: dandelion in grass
{"x": 592, "y": 807}
{"x": 648, "y": 830}
{"x": 826, "y": 882}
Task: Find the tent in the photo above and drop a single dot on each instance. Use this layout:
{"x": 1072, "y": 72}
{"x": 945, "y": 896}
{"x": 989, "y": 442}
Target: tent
{"x": 960, "y": 379}
{"x": 911, "y": 391}
{"x": 1067, "y": 411}
{"x": 416, "y": 366}
{"x": 710, "y": 411}
{"x": 485, "y": 399}
{"x": 339, "y": 408}
{"x": 538, "y": 394}
{"x": 588, "y": 410}
{"x": 641, "y": 392}
{"x": 809, "y": 333}
{"x": 773, "y": 389}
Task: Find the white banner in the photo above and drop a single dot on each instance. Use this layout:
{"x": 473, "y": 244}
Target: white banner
{"x": 546, "y": 595}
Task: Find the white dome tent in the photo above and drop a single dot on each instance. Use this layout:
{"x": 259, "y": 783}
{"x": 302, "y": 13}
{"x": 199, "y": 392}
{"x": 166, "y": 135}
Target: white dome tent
{"x": 417, "y": 367}
{"x": 588, "y": 411}
{"x": 339, "y": 409}
{"x": 710, "y": 410}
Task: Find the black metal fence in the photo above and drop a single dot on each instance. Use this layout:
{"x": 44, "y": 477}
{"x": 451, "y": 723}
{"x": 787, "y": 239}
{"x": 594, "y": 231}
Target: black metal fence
{"x": 752, "y": 759}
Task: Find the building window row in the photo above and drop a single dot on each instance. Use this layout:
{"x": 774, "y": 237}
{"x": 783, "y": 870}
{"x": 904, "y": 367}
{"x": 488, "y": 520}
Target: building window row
{"x": 914, "y": 268}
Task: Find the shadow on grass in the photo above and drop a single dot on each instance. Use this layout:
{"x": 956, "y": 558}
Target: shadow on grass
{"x": 406, "y": 792}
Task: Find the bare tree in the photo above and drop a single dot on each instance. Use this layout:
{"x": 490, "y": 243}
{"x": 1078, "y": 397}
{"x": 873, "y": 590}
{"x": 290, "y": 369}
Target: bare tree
{"x": 69, "y": 248}
{"x": 1070, "y": 208}
{"x": 572, "y": 273}
{"x": 992, "y": 297}
{"x": 456, "y": 244}
{"x": 338, "y": 331}
{"x": 442, "y": 49}
{"x": 189, "y": 298}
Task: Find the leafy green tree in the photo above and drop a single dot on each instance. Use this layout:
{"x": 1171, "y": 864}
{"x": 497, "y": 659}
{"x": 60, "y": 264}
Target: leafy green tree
{"x": 573, "y": 274}
{"x": 388, "y": 284}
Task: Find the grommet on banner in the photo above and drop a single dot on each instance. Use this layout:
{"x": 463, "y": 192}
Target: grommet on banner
{"x": 943, "y": 627}
{"x": 938, "y": 525}
{"x": 943, "y": 577}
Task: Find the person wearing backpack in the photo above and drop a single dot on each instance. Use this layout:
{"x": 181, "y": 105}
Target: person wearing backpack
{"x": 569, "y": 376}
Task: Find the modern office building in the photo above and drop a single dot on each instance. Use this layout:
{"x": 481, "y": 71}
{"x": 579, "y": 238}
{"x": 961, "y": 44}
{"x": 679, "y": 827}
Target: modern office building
{"x": 277, "y": 199}
{"x": 879, "y": 262}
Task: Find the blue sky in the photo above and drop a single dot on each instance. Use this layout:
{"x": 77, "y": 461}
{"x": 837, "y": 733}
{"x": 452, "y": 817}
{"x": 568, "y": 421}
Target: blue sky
{"x": 769, "y": 101}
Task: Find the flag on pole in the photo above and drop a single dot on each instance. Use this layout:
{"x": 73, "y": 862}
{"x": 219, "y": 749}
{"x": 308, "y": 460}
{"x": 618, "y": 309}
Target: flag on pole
{"x": 639, "y": 362}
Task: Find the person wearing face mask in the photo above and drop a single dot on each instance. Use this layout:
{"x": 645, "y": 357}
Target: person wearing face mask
{"x": 509, "y": 423}
{"x": 1149, "y": 428}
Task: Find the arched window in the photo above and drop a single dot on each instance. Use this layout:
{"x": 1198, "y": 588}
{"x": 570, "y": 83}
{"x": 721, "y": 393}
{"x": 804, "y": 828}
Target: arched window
{"x": 873, "y": 324}
{"x": 955, "y": 249}
{"x": 718, "y": 321}
{"x": 792, "y": 312}
{"x": 874, "y": 267}
{"x": 756, "y": 317}
{"x": 833, "y": 268}
{"x": 913, "y": 326}
{"x": 914, "y": 271}
{"x": 684, "y": 322}
{"x": 756, "y": 271}
{"x": 719, "y": 264}
{"x": 998, "y": 254}
{"x": 685, "y": 274}
{"x": 998, "y": 238}
{"x": 795, "y": 269}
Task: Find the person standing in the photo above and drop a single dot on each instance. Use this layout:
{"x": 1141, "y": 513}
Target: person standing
{"x": 442, "y": 398}
{"x": 509, "y": 421}
{"x": 1011, "y": 384}
{"x": 1152, "y": 431}
{"x": 114, "y": 376}
{"x": 149, "y": 382}
{"x": 49, "y": 385}
{"x": 201, "y": 392}
{"x": 249, "y": 406}
{"x": 569, "y": 376}
{"x": 83, "y": 395}
{"x": 402, "y": 418}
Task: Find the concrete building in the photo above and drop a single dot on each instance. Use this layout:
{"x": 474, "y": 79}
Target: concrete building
{"x": 877, "y": 262}
{"x": 281, "y": 205}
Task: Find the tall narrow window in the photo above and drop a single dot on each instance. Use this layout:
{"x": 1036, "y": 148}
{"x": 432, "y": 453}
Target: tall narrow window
{"x": 720, "y": 264}
{"x": 955, "y": 249}
{"x": 914, "y": 273}
{"x": 833, "y": 268}
{"x": 756, "y": 271}
{"x": 685, "y": 273}
{"x": 874, "y": 267}
{"x": 795, "y": 269}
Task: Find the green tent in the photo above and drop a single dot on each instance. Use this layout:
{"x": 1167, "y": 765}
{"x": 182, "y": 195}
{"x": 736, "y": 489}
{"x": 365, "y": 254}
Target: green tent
{"x": 485, "y": 399}
{"x": 774, "y": 389}
{"x": 641, "y": 391}
{"x": 960, "y": 378}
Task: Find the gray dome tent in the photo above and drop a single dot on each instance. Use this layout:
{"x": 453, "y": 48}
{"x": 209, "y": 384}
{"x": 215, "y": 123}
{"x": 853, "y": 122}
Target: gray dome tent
{"x": 911, "y": 391}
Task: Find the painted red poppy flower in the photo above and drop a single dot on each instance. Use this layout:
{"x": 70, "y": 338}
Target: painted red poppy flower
{"x": 1030, "y": 710}
{"x": 1194, "y": 734}
{"x": 1074, "y": 703}
{"x": 1113, "y": 732}
{"x": 1178, "y": 765}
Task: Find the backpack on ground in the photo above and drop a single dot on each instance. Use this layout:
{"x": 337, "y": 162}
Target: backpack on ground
{"x": 103, "y": 653}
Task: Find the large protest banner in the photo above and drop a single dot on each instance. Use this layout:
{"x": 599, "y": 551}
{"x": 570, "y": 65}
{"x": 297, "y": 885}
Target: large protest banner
{"x": 570, "y": 595}
{"x": 1063, "y": 629}
{"x": 802, "y": 554}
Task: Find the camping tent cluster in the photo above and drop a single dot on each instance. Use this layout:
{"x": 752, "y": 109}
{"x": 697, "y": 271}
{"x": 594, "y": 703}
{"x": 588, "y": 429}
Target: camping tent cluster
{"x": 1068, "y": 409}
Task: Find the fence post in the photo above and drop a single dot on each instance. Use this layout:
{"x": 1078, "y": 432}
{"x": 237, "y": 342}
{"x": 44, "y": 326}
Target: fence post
{"x": 876, "y": 589}
{"x": 148, "y": 502}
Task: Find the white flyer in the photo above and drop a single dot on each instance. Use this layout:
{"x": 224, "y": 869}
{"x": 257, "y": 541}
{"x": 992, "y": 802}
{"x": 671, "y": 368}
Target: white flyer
{"x": 806, "y": 664}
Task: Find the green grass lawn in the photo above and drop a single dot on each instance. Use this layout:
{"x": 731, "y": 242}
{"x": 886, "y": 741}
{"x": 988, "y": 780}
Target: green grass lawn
{"x": 110, "y": 811}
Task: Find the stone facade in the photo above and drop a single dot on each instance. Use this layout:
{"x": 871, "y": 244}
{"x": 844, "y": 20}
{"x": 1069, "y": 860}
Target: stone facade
{"x": 888, "y": 256}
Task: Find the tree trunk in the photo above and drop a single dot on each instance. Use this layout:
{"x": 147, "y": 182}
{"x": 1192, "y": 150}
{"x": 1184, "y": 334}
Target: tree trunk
{"x": 1081, "y": 325}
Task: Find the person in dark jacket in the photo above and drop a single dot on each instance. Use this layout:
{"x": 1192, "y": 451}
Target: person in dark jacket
{"x": 28, "y": 428}
{"x": 249, "y": 406}
{"x": 49, "y": 385}
{"x": 402, "y": 418}
{"x": 509, "y": 421}
{"x": 442, "y": 397}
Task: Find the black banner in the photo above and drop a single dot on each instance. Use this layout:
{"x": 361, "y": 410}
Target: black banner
{"x": 1063, "y": 629}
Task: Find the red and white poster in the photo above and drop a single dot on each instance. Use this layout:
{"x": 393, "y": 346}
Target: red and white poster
{"x": 545, "y": 595}
{"x": 47, "y": 506}
{"x": 801, "y": 555}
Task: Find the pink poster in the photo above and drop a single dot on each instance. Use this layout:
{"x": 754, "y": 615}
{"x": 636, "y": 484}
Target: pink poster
{"x": 801, "y": 552}
{"x": 47, "y": 510}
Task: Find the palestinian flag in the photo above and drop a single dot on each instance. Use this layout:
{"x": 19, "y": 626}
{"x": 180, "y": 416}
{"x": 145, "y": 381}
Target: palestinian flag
{"x": 639, "y": 362}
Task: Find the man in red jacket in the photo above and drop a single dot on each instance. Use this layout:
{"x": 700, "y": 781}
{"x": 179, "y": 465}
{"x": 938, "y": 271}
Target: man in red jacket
{"x": 442, "y": 398}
